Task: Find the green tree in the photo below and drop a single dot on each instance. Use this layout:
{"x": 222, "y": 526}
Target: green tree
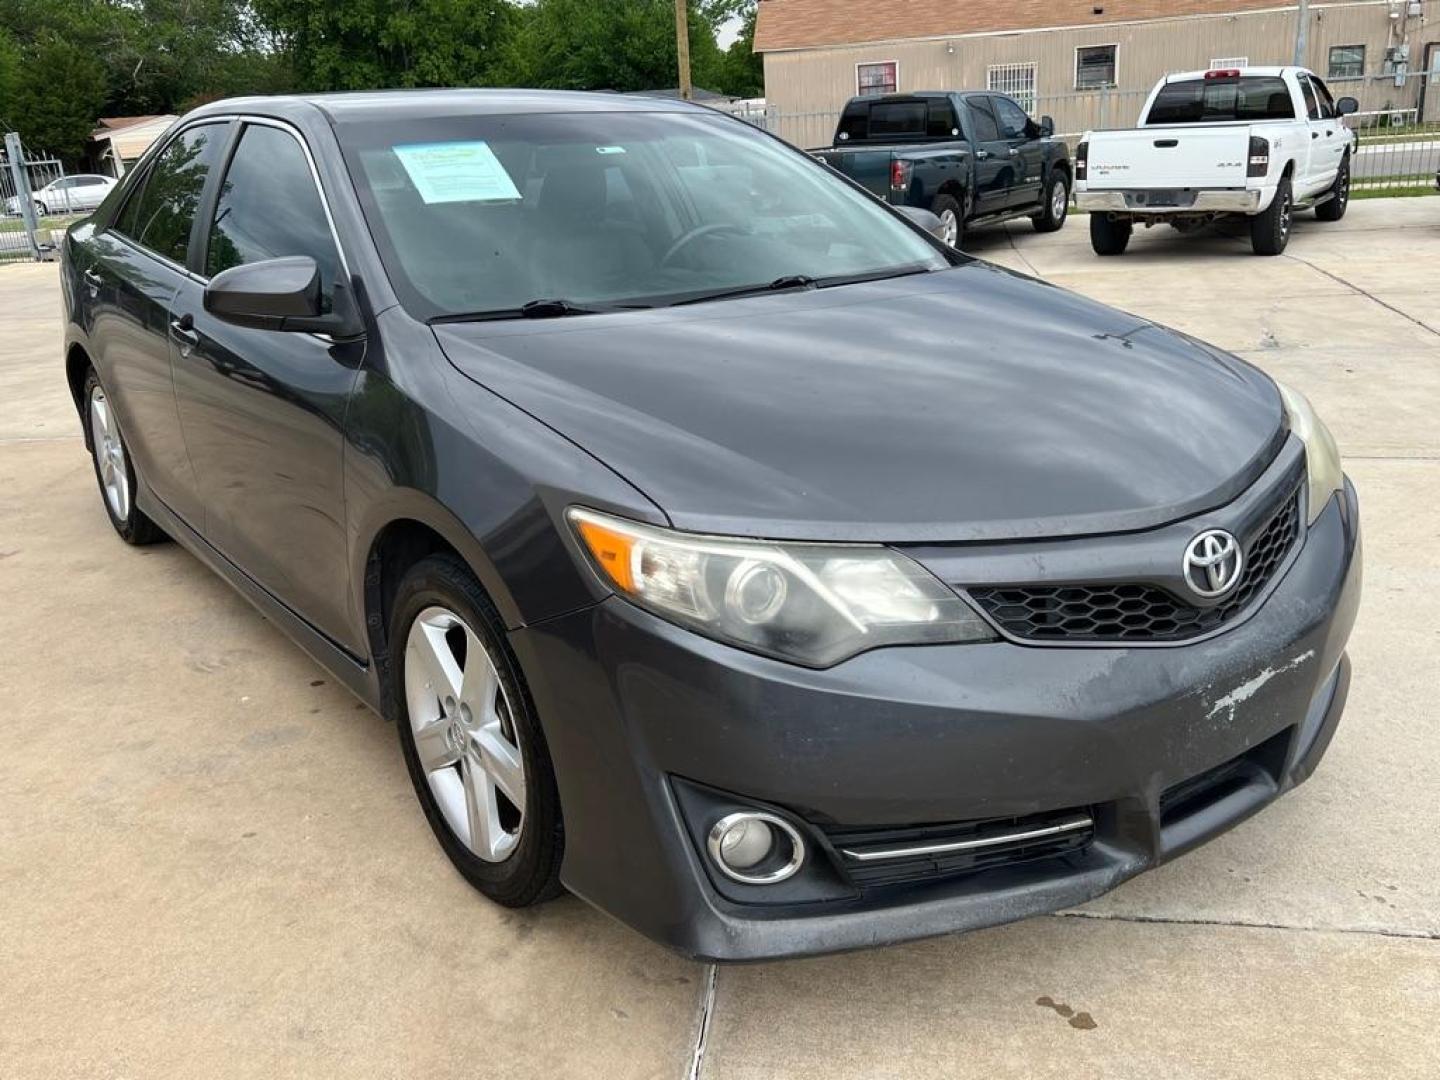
{"x": 368, "y": 44}
{"x": 608, "y": 45}
{"x": 743, "y": 72}
{"x": 56, "y": 97}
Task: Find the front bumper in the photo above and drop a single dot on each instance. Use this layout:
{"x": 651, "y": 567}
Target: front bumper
{"x": 1141, "y": 202}
{"x": 905, "y": 736}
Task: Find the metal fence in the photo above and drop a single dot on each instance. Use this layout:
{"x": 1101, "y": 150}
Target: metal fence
{"x": 1398, "y": 148}
{"x": 24, "y": 178}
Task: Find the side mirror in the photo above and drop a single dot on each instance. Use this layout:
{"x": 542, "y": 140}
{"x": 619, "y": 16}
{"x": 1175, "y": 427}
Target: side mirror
{"x": 280, "y": 294}
{"x": 924, "y": 219}
{"x": 1047, "y": 127}
{"x": 1347, "y": 105}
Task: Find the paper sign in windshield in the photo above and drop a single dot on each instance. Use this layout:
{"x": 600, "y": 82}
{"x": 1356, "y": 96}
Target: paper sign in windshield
{"x": 456, "y": 172}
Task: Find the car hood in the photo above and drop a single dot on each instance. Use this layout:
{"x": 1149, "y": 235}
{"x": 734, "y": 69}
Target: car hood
{"x": 965, "y": 404}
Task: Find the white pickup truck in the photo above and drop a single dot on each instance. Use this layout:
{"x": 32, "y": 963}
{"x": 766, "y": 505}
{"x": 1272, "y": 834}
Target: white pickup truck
{"x": 1259, "y": 141}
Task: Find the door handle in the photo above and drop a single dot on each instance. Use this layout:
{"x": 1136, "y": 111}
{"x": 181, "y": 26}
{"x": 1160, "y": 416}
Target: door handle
{"x": 982, "y": 155}
{"x": 183, "y": 329}
{"x": 1329, "y": 132}
{"x": 1314, "y": 134}
{"x": 1014, "y": 152}
{"x": 1166, "y": 144}
{"x": 93, "y": 281}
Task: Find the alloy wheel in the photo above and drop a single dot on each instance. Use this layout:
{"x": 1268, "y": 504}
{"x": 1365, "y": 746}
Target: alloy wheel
{"x": 465, "y": 735}
{"x": 950, "y": 226}
{"x": 1057, "y": 202}
{"x": 1285, "y": 215}
{"x": 109, "y": 455}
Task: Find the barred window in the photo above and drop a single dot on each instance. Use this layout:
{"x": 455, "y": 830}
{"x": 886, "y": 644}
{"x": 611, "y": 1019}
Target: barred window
{"x": 1014, "y": 80}
{"x": 872, "y": 80}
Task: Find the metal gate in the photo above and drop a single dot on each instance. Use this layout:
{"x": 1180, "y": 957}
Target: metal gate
{"x": 30, "y": 217}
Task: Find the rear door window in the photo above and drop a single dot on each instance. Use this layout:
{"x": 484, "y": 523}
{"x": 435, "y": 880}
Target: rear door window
{"x": 161, "y": 212}
{"x": 269, "y": 207}
{"x": 1203, "y": 101}
{"x": 940, "y": 119}
{"x": 986, "y": 129}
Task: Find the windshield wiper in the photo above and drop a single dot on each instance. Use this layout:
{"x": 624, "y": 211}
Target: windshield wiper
{"x": 780, "y": 284}
{"x": 543, "y": 308}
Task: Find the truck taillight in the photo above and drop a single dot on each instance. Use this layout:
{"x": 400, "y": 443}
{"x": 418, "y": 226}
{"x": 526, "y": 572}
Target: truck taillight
{"x": 1082, "y": 161}
{"x": 899, "y": 175}
{"x": 1259, "y": 163}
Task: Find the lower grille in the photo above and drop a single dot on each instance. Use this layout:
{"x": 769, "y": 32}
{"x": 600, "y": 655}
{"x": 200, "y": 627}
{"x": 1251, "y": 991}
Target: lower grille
{"x": 893, "y": 856}
{"x": 1137, "y": 612}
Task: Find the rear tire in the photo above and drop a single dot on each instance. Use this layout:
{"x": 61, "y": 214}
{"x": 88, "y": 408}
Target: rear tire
{"x": 1055, "y": 203}
{"x": 460, "y": 692}
{"x": 952, "y": 215}
{"x": 1333, "y": 208}
{"x": 1270, "y": 230}
{"x": 114, "y": 471}
{"x": 1108, "y": 236}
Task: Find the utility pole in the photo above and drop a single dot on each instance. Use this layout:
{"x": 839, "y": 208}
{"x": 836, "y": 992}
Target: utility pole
{"x": 1302, "y": 32}
{"x": 682, "y": 46}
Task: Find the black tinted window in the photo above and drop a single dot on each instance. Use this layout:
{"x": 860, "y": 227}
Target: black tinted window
{"x": 269, "y": 207}
{"x": 1196, "y": 101}
{"x": 941, "y": 123}
{"x": 890, "y": 118}
{"x": 986, "y": 130}
{"x": 854, "y": 121}
{"x": 1312, "y": 104}
{"x": 160, "y": 213}
{"x": 1012, "y": 118}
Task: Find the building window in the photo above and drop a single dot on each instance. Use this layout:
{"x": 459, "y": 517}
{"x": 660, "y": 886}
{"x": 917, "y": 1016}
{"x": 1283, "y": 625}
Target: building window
{"x": 1225, "y": 63}
{"x": 874, "y": 79}
{"x": 1347, "y": 61}
{"x": 1095, "y": 67}
{"x": 1015, "y": 80}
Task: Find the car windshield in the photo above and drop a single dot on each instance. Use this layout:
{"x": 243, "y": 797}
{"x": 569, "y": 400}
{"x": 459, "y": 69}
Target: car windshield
{"x": 1205, "y": 101}
{"x": 482, "y": 215}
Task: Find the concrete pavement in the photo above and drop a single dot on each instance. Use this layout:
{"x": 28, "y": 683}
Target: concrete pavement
{"x": 211, "y": 863}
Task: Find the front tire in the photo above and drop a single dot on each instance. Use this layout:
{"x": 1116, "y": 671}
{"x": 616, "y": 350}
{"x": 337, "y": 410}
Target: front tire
{"x": 40, "y": 210}
{"x": 113, "y": 469}
{"x": 1270, "y": 229}
{"x": 952, "y": 216}
{"x": 1108, "y": 236}
{"x": 472, "y": 743}
{"x": 1333, "y": 208}
{"x": 1055, "y": 200}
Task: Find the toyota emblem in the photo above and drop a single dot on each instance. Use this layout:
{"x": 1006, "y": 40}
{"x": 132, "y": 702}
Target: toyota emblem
{"x": 1213, "y": 562}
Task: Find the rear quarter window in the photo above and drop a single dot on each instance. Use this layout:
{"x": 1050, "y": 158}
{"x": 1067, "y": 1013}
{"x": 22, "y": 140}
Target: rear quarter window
{"x": 1209, "y": 101}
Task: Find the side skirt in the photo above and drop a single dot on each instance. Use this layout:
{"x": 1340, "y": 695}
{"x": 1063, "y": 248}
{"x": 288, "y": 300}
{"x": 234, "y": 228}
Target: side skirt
{"x": 353, "y": 673}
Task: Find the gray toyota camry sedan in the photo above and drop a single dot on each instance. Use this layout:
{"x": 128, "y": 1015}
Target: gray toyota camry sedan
{"x": 726, "y": 550}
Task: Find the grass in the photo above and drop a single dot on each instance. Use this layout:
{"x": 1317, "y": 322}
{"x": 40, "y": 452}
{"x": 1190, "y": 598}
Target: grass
{"x": 1406, "y": 192}
{"x": 49, "y": 221}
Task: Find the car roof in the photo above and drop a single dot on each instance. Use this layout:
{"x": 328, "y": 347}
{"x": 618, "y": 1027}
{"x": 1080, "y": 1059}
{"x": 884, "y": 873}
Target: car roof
{"x": 369, "y": 105}
{"x": 1180, "y": 76}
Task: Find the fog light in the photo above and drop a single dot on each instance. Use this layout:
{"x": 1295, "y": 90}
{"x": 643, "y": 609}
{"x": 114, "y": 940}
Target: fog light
{"x": 755, "y": 847}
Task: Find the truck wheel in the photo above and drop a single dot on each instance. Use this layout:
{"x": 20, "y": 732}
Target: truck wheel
{"x": 1109, "y": 236}
{"x": 1333, "y": 208}
{"x": 952, "y": 215}
{"x": 1270, "y": 230}
{"x": 1054, "y": 202}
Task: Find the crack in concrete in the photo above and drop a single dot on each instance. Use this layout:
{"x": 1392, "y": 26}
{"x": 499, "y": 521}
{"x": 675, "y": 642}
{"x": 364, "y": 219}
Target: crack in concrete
{"x": 1165, "y": 920}
{"x": 702, "y": 1033}
{"x": 1363, "y": 292}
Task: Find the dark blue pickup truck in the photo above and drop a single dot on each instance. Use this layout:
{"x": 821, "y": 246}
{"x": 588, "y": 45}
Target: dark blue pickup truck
{"x": 971, "y": 157}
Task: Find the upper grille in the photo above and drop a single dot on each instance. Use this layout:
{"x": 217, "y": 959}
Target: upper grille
{"x": 1136, "y": 612}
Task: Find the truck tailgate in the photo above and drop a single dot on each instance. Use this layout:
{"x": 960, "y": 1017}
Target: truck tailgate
{"x": 1182, "y": 156}
{"x": 867, "y": 166}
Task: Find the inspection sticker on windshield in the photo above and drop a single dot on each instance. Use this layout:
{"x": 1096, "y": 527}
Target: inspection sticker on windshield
{"x": 456, "y": 172}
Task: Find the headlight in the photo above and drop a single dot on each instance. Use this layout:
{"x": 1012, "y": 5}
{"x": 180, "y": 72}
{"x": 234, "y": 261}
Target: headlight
{"x": 814, "y": 604}
{"x": 1322, "y": 457}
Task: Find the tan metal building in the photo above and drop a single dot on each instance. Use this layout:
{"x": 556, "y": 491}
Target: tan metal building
{"x": 1087, "y": 64}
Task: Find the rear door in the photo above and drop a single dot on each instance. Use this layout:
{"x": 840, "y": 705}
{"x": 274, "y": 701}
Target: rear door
{"x": 991, "y": 154}
{"x": 263, "y": 411}
{"x": 1027, "y": 156}
{"x": 138, "y": 269}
